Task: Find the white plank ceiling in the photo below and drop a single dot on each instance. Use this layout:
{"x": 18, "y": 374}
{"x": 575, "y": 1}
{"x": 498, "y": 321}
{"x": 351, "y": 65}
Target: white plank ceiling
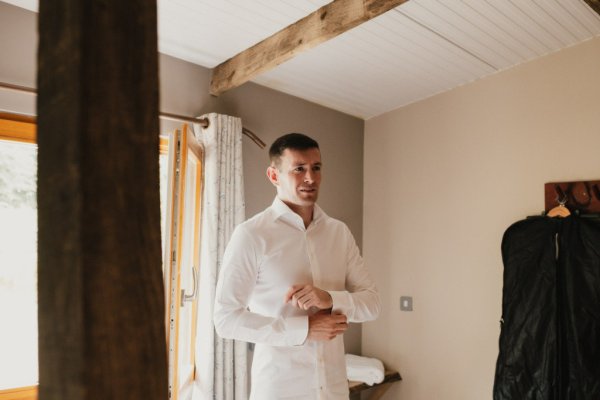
{"x": 426, "y": 47}
{"x": 417, "y": 50}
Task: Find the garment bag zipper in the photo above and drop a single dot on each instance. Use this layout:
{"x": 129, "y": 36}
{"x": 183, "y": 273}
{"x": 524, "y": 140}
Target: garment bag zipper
{"x": 559, "y": 344}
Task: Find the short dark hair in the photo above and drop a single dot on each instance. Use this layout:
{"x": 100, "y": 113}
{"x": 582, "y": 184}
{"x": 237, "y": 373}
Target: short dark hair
{"x": 293, "y": 141}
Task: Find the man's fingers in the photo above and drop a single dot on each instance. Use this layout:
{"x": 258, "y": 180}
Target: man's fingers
{"x": 291, "y": 291}
{"x": 297, "y": 291}
{"x": 306, "y": 300}
{"x": 289, "y": 294}
{"x": 323, "y": 326}
{"x": 303, "y": 296}
{"x": 339, "y": 318}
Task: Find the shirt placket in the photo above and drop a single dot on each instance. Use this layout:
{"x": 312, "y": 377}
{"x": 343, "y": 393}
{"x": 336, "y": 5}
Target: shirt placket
{"x": 318, "y": 347}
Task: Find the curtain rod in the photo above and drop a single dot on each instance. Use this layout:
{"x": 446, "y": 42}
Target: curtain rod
{"x": 202, "y": 121}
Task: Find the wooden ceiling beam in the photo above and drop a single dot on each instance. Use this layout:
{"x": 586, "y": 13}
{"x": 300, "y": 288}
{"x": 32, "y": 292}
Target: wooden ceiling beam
{"x": 326, "y": 23}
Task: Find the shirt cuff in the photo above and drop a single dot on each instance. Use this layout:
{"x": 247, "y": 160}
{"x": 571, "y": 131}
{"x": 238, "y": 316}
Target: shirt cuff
{"x": 298, "y": 330}
{"x": 342, "y": 302}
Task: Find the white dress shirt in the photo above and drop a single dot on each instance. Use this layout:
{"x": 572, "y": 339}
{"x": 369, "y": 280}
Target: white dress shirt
{"x": 268, "y": 254}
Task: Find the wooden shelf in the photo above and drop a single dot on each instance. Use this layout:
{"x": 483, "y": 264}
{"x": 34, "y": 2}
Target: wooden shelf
{"x": 379, "y": 388}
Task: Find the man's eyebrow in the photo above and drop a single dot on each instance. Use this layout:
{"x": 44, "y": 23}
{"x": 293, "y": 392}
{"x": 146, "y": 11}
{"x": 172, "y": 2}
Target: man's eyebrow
{"x": 302, "y": 164}
{"x": 306, "y": 163}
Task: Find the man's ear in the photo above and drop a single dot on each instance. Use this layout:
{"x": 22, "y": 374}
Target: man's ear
{"x": 272, "y": 174}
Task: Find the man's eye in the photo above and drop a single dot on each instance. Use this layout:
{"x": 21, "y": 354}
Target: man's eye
{"x": 299, "y": 169}
{"x": 317, "y": 168}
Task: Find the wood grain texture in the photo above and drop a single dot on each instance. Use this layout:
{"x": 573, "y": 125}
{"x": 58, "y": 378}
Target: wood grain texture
{"x": 583, "y": 196}
{"x": 327, "y": 22}
{"x": 100, "y": 293}
{"x": 22, "y": 393}
{"x": 17, "y": 128}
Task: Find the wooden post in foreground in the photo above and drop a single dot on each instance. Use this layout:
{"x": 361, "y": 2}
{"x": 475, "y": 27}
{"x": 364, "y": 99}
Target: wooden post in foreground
{"x": 101, "y": 310}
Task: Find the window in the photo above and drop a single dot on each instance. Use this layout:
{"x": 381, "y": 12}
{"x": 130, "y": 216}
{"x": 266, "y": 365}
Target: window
{"x": 180, "y": 163}
{"x": 18, "y": 259}
{"x": 181, "y": 256}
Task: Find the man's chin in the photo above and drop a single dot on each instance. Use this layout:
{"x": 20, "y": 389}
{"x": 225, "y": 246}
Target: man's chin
{"x": 310, "y": 202}
{"x": 308, "y": 199}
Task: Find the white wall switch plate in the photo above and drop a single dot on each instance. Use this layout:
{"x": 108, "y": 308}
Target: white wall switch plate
{"x": 406, "y": 303}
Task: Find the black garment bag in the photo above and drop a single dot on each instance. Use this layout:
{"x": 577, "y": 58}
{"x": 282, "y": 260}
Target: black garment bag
{"x": 550, "y": 327}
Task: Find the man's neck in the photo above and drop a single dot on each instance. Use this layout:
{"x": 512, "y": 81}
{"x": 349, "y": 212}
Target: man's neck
{"x": 305, "y": 212}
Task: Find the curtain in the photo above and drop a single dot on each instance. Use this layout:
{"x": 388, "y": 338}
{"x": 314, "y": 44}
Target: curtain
{"x": 221, "y": 365}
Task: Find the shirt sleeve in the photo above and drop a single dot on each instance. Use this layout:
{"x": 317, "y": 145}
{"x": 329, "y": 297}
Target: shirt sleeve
{"x": 360, "y": 301}
{"x": 236, "y": 283}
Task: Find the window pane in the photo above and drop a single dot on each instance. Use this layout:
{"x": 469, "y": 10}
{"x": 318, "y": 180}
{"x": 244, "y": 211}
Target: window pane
{"x": 18, "y": 265}
{"x": 186, "y": 357}
{"x": 164, "y": 171}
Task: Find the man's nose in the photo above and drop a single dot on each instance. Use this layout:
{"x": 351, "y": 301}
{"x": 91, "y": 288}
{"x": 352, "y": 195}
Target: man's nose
{"x": 309, "y": 176}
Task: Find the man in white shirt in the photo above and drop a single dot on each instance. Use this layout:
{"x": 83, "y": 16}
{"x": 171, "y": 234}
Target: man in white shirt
{"x": 291, "y": 279}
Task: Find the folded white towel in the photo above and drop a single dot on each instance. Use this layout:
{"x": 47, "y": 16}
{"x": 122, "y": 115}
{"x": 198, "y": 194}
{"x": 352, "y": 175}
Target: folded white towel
{"x": 364, "y": 369}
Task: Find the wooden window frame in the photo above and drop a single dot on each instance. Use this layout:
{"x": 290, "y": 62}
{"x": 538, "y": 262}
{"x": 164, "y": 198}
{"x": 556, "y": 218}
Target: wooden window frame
{"x": 185, "y": 141}
{"x": 18, "y": 128}
{"x": 20, "y": 393}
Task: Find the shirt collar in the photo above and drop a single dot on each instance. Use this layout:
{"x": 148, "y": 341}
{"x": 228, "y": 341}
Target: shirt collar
{"x": 281, "y": 209}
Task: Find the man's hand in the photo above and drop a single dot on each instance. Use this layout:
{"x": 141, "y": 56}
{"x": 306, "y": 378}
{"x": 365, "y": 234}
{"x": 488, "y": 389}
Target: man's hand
{"x": 324, "y": 326}
{"x": 307, "y": 296}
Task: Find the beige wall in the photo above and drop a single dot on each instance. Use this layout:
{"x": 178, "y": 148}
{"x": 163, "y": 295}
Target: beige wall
{"x": 443, "y": 179}
{"x": 184, "y": 91}
{"x": 18, "y": 46}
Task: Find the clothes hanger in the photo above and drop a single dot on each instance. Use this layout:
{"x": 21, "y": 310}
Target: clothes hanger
{"x": 560, "y": 210}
